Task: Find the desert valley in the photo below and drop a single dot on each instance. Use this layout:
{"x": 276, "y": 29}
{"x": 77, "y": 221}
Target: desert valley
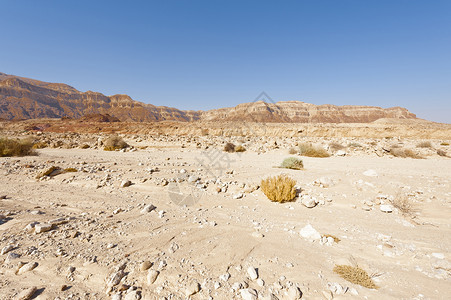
{"x": 104, "y": 197}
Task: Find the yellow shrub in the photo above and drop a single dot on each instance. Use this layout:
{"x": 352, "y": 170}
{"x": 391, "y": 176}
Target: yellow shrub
{"x": 279, "y": 188}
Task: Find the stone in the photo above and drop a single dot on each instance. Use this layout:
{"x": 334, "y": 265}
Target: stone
{"x": 249, "y": 294}
{"x": 308, "y": 201}
{"x": 26, "y": 294}
{"x": 133, "y": 295}
{"x": 116, "y": 296}
{"x": 340, "y": 153}
{"x": 11, "y": 257}
{"x": 238, "y": 196}
{"x": 148, "y": 208}
{"x": 310, "y": 233}
{"x": 252, "y": 272}
{"x": 193, "y": 179}
{"x": 152, "y": 276}
{"x": 370, "y": 173}
{"x": 260, "y": 282}
{"x": 27, "y": 267}
{"x": 386, "y": 208}
{"x": 40, "y": 228}
{"x": 145, "y": 265}
{"x": 294, "y": 293}
{"x": 115, "y": 278}
{"x": 192, "y": 288}
{"x": 224, "y": 277}
{"x": 6, "y": 249}
{"x": 126, "y": 183}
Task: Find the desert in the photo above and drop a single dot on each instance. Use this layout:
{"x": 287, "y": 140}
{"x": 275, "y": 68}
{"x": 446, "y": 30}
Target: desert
{"x": 174, "y": 216}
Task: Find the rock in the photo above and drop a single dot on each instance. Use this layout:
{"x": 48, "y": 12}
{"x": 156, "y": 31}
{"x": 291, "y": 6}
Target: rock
{"x": 152, "y": 276}
{"x": 192, "y": 288}
{"x": 148, "y": 208}
{"x": 115, "y": 278}
{"x": 310, "y": 233}
{"x": 26, "y": 294}
{"x": 145, "y": 265}
{"x": 248, "y": 294}
{"x": 193, "y": 179}
{"x": 328, "y": 295}
{"x": 260, "y": 282}
{"x": 116, "y": 296}
{"x": 39, "y": 228}
{"x": 11, "y": 257}
{"x": 126, "y": 183}
{"x": 6, "y": 249}
{"x": 340, "y": 153}
{"x": 294, "y": 293}
{"x": 117, "y": 210}
{"x": 436, "y": 255}
{"x": 27, "y": 267}
{"x": 386, "y": 208}
{"x": 324, "y": 182}
{"x": 238, "y": 196}
{"x": 133, "y": 295}
{"x": 308, "y": 201}
{"x": 370, "y": 173}
{"x": 252, "y": 272}
{"x": 224, "y": 277}
{"x": 256, "y": 234}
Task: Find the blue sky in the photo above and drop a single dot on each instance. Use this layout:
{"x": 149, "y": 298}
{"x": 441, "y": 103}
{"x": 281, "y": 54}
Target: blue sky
{"x": 210, "y": 54}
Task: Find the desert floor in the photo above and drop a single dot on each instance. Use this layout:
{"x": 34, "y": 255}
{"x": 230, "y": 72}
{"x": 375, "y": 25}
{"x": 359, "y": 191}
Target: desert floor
{"x": 211, "y": 223}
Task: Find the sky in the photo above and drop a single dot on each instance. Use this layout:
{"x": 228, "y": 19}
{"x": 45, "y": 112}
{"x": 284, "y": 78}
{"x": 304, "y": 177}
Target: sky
{"x": 209, "y": 54}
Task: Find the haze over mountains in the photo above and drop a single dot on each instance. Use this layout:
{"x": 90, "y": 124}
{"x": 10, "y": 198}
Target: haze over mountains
{"x": 24, "y": 98}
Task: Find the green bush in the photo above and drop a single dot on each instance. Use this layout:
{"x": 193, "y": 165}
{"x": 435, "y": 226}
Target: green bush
{"x": 293, "y": 163}
{"x": 115, "y": 142}
{"x": 312, "y": 151}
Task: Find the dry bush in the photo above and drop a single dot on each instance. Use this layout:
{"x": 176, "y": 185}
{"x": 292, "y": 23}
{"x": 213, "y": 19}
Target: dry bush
{"x": 240, "y": 148}
{"x": 10, "y": 147}
{"x": 355, "y": 275}
{"x": 401, "y": 152}
{"x": 293, "y": 151}
{"x": 293, "y": 163}
{"x": 336, "y": 239}
{"x": 312, "y": 151}
{"x": 442, "y": 153}
{"x": 354, "y": 145}
{"x": 424, "y": 145}
{"x": 40, "y": 145}
{"x": 69, "y": 170}
{"x": 404, "y": 205}
{"x": 114, "y": 142}
{"x": 229, "y": 147}
{"x": 444, "y": 144}
{"x": 279, "y": 188}
{"x": 334, "y": 146}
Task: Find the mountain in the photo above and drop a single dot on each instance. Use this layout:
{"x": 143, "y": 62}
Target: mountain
{"x": 24, "y": 98}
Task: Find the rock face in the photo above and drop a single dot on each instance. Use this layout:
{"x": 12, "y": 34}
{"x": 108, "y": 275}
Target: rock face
{"x": 24, "y": 98}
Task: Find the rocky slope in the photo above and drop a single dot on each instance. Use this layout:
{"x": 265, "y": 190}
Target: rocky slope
{"x": 24, "y": 98}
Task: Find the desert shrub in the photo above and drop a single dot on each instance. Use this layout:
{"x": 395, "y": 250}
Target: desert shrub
{"x": 279, "y": 188}
{"x": 334, "y": 146}
{"x": 355, "y": 275}
{"x": 240, "y": 148}
{"x": 292, "y": 163}
{"x": 293, "y": 151}
{"x": 114, "y": 142}
{"x": 424, "y": 145}
{"x": 312, "y": 151}
{"x": 40, "y": 145}
{"x": 229, "y": 147}
{"x": 444, "y": 144}
{"x": 403, "y": 204}
{"x": 11, "y": 147}
{"x": 401, "y": 152}
{"x": 441, "y": 152}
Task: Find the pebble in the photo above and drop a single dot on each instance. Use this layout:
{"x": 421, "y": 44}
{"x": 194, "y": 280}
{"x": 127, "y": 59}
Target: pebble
{"x": 308, "y": 201}
{"x": 6, "y": 249}
{"x": 39, "y": 228}
{"x": 26, "y": 294}
{"x": 294, "y": 293}
{"x": 145, "y": 265}
{"x": 152, "y": 276}
{"x": 192, "y": 289}
{"x": 386, "y": 208}
{"x": 27, "y": 267}
{"x": 248, "y": 294}
{"x": 148, "y": 208}
{"x": 252, "y": 272}
{"x": 310, "y": 233}
{"x": 115, "y": 278}
{"x": 126, "y": 183}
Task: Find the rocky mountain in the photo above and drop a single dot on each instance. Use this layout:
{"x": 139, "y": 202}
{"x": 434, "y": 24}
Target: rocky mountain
{"x": 24, "y": 98}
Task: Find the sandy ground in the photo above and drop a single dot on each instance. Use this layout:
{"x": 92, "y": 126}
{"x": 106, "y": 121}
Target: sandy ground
{"x": 100, "y": 227}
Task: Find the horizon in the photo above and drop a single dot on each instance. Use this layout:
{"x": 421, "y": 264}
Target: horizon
{"x": 203, "y": 55}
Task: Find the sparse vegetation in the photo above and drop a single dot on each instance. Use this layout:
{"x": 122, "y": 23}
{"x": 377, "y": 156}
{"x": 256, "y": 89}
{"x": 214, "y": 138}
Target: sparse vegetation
{"x": 334, "y": 146}
{"x": 279, "y": 188}
{"x": 115, "y": 142}
{"x": 444, "y": 144}
{"x": 11, "y": 147}
{"x": 229, "y": 147}
{"x": 401, "y": 152}
{"x": 355, "y": 275}
{"x": 293, "y": 163}
{"x": 240, "y": 148}
{"x": 312, "y": 151}
{"x": 424, "y": 145}
{"x": 40, "y": 145}
{"x": 293, "y": 151}
{"x": 404, "y": 205}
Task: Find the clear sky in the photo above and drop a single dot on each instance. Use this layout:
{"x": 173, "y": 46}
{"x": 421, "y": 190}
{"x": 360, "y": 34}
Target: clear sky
{"x": 207, "y": 54}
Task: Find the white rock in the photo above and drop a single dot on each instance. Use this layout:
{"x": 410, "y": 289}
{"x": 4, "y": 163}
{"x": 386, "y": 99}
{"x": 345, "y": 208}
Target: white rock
{"x": 192, "y": 289}
{"x": 132, "y": 295}
{"x": 39, "y": 228}
{"x": 386, "y": 208}
{"x": 6, "y": 249}
{"x": 340, "y": 153}
{"x": 252, "y": 272}
{"x": 436, "y": 255}
{"x": 115, "y": 278}
{"x": 27, "y": 267}
{"x": 224, "y": 277}
{"x": 148, "y": 208}
{"x": 238, "y": 196}
{"x": 310, "y": 233}
{"x": 217, "y": 285}
{"x": 260, "y": 282}
{"x": 117, "y": 296}
{"x": 126, "y": 183}
{"x": 370, "y": 173}
{"x": 294, "y": 293}
{"x": 248, "y": 294}
{"x": 183, "y": 171}
{"x": 26, "y": 294}
{"x": 308, "y": 201}
{"x": 152, "y": 276}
